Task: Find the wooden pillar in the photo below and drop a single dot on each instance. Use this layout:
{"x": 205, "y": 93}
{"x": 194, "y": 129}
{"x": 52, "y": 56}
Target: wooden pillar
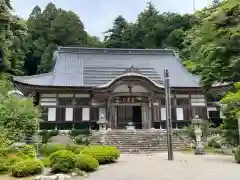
{"x": 191, "y": 115}
{"x": 109, "y": 113}
{"x": 56, "y": 121}
{"x": 152, "y": 111}
{"x": 150, "y": 105}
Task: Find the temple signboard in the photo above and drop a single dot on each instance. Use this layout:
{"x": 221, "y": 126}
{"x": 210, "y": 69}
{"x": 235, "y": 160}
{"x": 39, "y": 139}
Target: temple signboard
{"x": 129, "y": 99}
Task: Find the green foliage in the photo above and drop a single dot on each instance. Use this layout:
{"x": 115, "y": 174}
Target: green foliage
{"x": 215, "y": 142}
{"x": 46, "y": 135}
{"x": 116, "y": 37}
{"x": 13, "y": 159}
{"x": 27, "y": 167}
{"x": 48, "y": 149}
{"x": 76, "y": 132}
{"x": 5, "y": 19}
{"x": 237, "y": 155}
{"x": 46, "y": 161}
{"x": 104, "y": 154}
{"x": 48, "y": 29}
{"x": 213, "y": 42}
{"x": 231, "y": 110}
{"x": 19, "y": 117}
{"x": 151, "y": 30}
{"x": 4, "y": 165}
{"x": 28, "y": 151}
{"x": 86, "y": 163}
{"x": 75, "y": 148}
{"x": 189, "y": 131}
{"x": 62, "y": 161}
{"x": 83, "y": 139}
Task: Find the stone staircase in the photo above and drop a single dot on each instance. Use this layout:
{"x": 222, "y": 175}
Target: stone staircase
{"x": 141, "y": 140}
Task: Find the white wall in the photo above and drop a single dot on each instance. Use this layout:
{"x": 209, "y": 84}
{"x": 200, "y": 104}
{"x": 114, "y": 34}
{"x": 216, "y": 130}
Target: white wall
{"x": 85, "y": 114}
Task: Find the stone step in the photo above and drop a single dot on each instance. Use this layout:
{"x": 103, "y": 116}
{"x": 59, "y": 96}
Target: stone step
{"x": 143, "y": 147}
{"x": 133, "y": 135}
{"x": 141, "y": 142}
{"x": 147, "y": 146}
{"x": 137, "y": 139}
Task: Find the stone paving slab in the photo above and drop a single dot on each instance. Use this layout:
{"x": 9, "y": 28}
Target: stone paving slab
{"x": 156, "y": 167}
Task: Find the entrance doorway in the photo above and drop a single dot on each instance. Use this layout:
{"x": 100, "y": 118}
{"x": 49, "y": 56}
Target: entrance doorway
{"x": 126, "y": 114}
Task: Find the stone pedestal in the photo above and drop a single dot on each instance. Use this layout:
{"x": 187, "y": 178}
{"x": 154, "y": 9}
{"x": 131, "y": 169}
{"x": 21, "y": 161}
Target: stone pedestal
{"x": 198, "y": 133}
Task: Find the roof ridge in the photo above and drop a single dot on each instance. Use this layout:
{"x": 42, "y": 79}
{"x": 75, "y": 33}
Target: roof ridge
{"x": 176, "y": 56}
{"x": 114, "y": 50}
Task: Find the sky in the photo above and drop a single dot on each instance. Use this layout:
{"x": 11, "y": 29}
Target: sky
{"x": 98, "y": 15}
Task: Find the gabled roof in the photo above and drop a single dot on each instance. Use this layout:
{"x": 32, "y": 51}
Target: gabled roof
{"x": 94, "y": 67}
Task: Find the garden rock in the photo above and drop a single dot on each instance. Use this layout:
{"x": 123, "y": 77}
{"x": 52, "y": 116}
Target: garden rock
{"x": 53, "y": 177}
{"x": 61, "y": 139}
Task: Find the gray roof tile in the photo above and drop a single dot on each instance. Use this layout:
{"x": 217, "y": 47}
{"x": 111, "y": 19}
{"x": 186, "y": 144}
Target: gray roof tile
{"x": 98, "y": 66}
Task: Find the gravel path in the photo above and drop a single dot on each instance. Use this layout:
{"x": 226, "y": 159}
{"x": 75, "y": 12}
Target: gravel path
{"x": 156, "y": 167}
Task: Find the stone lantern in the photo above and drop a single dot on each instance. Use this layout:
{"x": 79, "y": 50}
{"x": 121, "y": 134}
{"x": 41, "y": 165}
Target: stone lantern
{"x": 102, "y": 123}
{"x": 102, "y": 129}
{"x": 198, "y": 133}
{"x": 130, "y": 126}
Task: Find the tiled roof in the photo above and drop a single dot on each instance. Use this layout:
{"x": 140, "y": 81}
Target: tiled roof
{"x": 86, "y": 67}
{"x": 40, "y": 79}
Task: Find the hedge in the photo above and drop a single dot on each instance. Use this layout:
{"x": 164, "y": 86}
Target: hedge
{"x": 62, "y": 161}
{"x": 86, "y": 163}
{"x": 27, "y": 167}
{"x": 104, "y": 154}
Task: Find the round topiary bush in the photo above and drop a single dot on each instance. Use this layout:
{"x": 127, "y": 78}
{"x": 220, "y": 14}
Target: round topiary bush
{"x": 27, "y": 167}
{"x": 86, "y": 163}
{"x": 104, "y": 154}
{"x": 237, "y": 155}
{"x": 62, "y": 161}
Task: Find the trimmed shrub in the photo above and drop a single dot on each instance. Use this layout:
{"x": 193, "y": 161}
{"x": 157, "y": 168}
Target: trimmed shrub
{"x": 12, "y": 150}
{"x": 13, "y": 159}
{"x": 215, "y": 141}
{"x": 48, "y": 149}
{"x": 46, "y": 161}
{"x": 62, "y": 161}
{"x": 4, "y": 165}
{"x": 28, "y": 151}
{"x": 104, "y": 154}
{"x": 27, "y": 167}
{"x": 86, "y": 163}
{"x": 75, "y": 148}
{"x": 237, "y": 155}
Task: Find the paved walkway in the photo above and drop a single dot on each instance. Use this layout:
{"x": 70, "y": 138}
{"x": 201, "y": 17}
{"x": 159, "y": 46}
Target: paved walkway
{"x": 156, "y": 167}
